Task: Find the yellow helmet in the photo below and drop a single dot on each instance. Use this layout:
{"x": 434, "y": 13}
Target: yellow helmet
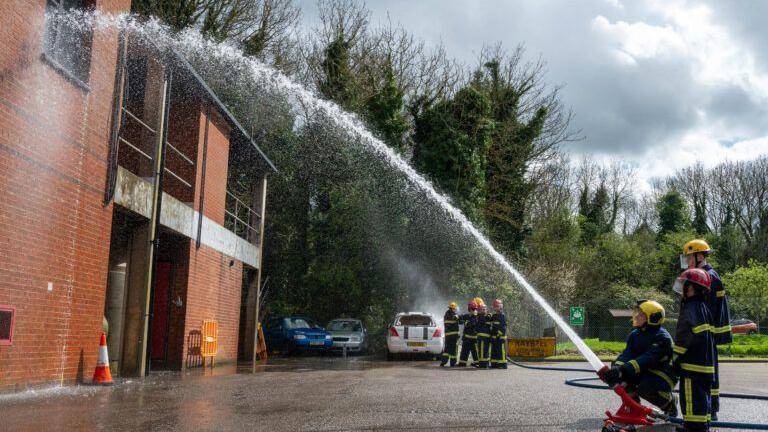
{"x": 654, "y": 312}
{"x": 479, "y": 301}
{"x": 695, "y": 246}
{"x": 453, "y": 306}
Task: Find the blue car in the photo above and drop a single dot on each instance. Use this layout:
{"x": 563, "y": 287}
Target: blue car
{"x": 294, "y": 334}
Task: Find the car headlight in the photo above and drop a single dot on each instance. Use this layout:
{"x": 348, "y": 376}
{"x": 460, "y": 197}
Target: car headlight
{"x": 299, "y": 337}
{"x": 354, "y": 339}
{"x": 327, "y": 336}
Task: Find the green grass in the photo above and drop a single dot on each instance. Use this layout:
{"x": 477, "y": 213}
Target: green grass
{"x": 754, "y": 346}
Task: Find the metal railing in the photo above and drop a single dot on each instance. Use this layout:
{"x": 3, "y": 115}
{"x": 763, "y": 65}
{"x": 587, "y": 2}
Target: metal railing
{"x": 127, "y": 114}
{"x": 238, "y": 217}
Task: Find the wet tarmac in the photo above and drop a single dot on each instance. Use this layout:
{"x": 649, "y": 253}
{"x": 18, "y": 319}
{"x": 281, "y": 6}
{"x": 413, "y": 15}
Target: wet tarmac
{"x": 336, "y": 394}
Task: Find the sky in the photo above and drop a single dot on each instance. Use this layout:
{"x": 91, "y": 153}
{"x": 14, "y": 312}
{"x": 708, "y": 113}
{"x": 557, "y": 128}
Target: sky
{"x": 656, "y": 84}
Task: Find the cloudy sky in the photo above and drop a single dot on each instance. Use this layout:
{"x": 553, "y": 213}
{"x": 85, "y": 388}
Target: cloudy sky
{"x": 658, "y": 84}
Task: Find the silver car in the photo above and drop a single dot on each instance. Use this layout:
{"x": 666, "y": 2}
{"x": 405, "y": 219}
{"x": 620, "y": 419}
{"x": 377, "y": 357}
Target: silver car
{"x": 348, "y": 332}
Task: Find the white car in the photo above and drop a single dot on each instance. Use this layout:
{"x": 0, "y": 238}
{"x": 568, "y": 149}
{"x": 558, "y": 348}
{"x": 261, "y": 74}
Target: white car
{"x": 414, "y": 333}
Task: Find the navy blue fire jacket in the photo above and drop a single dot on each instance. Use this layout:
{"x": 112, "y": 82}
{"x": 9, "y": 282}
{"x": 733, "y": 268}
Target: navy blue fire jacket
{"x": 694, "y": 345}
{"x": 649, "y": 349}
{"x": 718, "y": 306}
{"x": 499, "y": 324}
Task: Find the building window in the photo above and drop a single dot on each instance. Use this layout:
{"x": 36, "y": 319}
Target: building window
{"x": 67, "y": 43}
{"x": 7, "y": 314}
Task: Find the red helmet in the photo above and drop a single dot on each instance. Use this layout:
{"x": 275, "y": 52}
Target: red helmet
{"x": 472, "y": 305}
{"x": 695, "y": 276}
{"x": 498, "y": 304}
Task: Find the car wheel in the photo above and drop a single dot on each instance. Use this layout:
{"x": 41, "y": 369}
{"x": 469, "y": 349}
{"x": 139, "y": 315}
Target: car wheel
{"x": 751, "y": 332}
{"x": 390, "y": 356}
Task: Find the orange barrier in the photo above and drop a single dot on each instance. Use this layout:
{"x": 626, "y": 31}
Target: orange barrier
{"x": 209, "y": 345}
{"x": 102, "y": 376}
{"x": 261, "y": 345}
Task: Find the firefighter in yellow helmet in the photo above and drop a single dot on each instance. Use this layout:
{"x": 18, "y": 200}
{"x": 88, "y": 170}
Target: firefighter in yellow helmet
{"x": 451, "y": 324}
{"x": 644, "y": 365}
{"x": 695, "y": 254}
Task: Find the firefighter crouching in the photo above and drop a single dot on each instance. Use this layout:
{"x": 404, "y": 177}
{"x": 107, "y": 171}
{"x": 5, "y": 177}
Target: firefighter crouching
{"x": 469, "y": 337}
{"x": 644, "y": 365}
{"x": 451, "y": 323}
{"x": 498, "y": 336}
{"x": 694, "y": 348}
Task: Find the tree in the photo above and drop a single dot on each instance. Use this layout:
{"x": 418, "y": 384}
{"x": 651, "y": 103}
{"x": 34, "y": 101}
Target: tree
{"x": 748, "y": 288}
{"x": 262, "y": 28}
{"x": 509, "y": 154}
{"x": 337, "y": 80}
{"x": 673, "y": 213}
{"x": 384, "y": 112}
{"x": 452, "y": 139}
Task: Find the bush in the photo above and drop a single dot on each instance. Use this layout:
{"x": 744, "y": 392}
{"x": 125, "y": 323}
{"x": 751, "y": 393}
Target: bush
{"x": 747, "y": 287}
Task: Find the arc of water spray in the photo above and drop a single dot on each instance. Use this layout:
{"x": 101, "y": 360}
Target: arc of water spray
{"x": 192, "y": 41}
{"x": 352, "y": 124}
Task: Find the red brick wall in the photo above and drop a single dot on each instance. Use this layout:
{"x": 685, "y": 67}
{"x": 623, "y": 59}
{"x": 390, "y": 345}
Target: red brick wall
{"x": 216, "y": 168}
{"x": 53, "y": 227}
{"x": 213, "y": 292}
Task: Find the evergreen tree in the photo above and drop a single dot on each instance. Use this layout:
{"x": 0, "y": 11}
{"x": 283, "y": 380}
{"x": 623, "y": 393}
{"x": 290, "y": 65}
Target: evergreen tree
{"x": 384, "y": 111}
{"x": 337, "y": 80}
{"x": 510, "y": 152}
{"x": 452, "y": 139}
{"x": 673, "y": 213}
{"x": 700, "y": 216}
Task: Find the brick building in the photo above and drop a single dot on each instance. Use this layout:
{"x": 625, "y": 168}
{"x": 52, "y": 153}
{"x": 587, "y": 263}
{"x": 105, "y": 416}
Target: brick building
{"x": 91, "y": 122}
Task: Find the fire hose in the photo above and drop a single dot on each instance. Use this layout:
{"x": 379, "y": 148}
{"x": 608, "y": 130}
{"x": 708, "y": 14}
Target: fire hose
{"x": 583, "y": 382}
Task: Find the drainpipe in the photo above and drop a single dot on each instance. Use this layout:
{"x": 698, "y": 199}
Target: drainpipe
{"x": 154, "y": 223}
{"x": 117, "y": 111}
{"x": 202, "y": 179}
{"x": 261, "y": 261}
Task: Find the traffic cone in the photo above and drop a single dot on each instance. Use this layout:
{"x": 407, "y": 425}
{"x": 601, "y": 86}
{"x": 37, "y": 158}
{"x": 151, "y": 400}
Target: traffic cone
{"x": 102, "y": 376}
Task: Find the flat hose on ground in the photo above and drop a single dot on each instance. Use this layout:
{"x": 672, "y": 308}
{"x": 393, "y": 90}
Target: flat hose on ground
{"x": 582, "y": 382}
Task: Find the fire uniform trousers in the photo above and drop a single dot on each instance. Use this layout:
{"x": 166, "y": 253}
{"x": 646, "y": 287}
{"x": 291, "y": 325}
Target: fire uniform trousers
{"x": 645, "y": 365}
{"x": 484, "y": 329}
{"x": 721, "y": 327}
{"x": 451, "y": 323}
{"x": 468, "y": 339}
{"x": 499, "y": 340}
{"x": 693, "y": 360}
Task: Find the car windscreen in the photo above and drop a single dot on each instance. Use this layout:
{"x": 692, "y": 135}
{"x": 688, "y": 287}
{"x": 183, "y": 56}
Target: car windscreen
{"x": 415, "y": 320}
{"x": 299, "y": 323}
{"x": 344, "y": 326}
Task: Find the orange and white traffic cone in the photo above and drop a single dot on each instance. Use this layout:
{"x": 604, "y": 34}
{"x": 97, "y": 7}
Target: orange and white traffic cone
{"x": 102, "y": 376}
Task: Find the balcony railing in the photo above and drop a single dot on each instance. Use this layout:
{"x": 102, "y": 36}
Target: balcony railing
{"x": 241, "y": 219}
{"x": 174, "y": 157}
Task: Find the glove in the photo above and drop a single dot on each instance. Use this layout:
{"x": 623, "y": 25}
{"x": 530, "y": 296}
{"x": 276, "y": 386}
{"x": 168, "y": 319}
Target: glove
{"x": 612, "y": 376}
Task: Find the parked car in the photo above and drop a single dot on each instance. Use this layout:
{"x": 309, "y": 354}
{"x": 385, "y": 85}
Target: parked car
{"x": 293, "y": 334}
{"x": 414, "y": 333}
{"x": 348, "y": 332}
{"x": 743, "y": 326}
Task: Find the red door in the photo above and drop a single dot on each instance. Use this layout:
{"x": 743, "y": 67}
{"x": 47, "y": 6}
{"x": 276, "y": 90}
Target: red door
{"x": 160, "y": 311}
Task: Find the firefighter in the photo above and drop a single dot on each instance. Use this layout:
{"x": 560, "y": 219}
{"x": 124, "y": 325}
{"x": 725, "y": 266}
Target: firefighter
{"x": 469, "y": 336}
{"x": 498, "y": 336}
{"x": 644, "y": 365}
{"x": 484, "y": 328}
{"x": 695, "y": 254}
{"x": 451, "y": 322}
{"x": 694, "y": 348}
